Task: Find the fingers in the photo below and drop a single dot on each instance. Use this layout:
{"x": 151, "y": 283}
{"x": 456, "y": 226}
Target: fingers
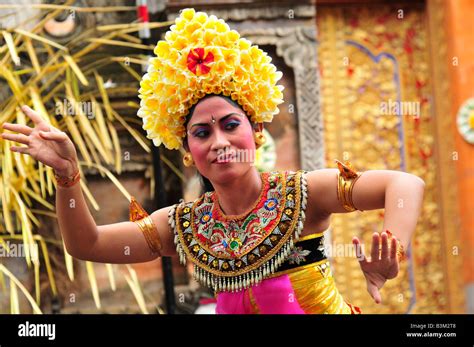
{"x": 53, "y": 136}
{"x": 20, "y": 138}
{"x": 374, "y": 253}
{"x": 23, "y": 150}
{"x": 385, "y": 254}
{"x": 374, "y": 292}
{"x": 358, "y": 249}
{"x": 34, "y": 116}
{"x": 393, "y": 249}
{"x": 19, "y": 128}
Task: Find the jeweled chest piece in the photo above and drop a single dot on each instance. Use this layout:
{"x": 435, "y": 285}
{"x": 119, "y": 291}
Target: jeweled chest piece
{"x": 235, "y": 243}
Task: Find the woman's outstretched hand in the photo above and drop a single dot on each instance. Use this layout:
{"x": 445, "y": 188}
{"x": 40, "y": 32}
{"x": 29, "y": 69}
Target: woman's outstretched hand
{"x": 382, "y": 265}
{"x": 44, "y": 143}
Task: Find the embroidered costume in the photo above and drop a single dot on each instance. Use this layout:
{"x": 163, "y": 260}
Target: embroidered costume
{"x": 257, "y": 263}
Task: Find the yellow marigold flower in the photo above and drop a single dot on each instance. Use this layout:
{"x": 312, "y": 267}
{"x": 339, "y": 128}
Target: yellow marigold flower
{"x": 201, "y": 55}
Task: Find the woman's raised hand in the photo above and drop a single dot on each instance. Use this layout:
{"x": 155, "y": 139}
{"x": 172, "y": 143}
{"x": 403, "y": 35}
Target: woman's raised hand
{"x": 44, "y": 143}
{"x": 382, "y": 265}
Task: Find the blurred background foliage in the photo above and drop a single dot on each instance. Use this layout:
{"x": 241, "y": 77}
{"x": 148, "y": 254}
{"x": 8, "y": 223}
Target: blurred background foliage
{"x": 61, "y": 77}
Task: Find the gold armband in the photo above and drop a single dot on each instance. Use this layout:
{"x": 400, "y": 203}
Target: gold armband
{"x": 144, "y": 221}
{"x": 346, "y": 178}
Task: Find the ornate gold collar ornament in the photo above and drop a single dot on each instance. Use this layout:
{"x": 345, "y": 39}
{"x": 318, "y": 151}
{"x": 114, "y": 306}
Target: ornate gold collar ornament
{"x": 230, "y": 255}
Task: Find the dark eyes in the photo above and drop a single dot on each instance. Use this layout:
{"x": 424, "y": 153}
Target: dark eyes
{"x": 228, "y": 126}
{"x": 232, "y": 125}
{"x": 201, "y": 133}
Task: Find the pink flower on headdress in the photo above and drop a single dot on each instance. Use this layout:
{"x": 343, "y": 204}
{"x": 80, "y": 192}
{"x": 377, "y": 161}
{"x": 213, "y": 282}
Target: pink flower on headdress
{"x": 198, "y": 63}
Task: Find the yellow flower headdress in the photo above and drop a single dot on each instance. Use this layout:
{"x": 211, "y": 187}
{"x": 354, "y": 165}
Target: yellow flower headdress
{"x": 201, "y": 55}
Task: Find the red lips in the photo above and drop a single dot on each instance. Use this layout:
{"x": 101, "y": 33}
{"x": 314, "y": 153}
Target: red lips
{"x": 223, "y": 159}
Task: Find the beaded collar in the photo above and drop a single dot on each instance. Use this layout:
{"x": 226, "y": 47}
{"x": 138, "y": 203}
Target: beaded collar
{"x": 231, "y": 254}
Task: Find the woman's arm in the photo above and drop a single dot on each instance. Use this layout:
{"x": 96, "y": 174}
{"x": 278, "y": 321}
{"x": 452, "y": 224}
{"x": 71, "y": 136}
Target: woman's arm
{"x": 118, "y": 243}
{"x": 403, "y": 201}
{"x": 114, "y": 243}
{"x": 399, "y": 193}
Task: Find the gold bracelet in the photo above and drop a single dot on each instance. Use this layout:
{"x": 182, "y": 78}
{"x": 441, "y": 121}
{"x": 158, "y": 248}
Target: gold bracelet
{"x": 68, "y": 181}
{"x": 139, "y": 216}
{"x": 346, "y": 178}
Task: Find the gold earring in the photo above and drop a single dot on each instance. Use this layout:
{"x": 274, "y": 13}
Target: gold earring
{"x": 188, "y": 159}
{"x": 260, "y": 138}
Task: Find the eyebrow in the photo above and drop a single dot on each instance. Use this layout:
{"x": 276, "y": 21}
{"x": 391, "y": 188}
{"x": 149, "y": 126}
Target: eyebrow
{"x": 220, "y": 120}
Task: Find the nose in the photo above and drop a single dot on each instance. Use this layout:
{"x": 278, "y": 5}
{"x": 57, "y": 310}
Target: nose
{"x": 220, "y": 140}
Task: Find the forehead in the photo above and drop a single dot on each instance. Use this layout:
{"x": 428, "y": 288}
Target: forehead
{"x": 214, "y": 106}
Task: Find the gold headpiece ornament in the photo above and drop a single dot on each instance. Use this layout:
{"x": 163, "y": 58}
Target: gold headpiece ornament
{"x": 200, "y": 55}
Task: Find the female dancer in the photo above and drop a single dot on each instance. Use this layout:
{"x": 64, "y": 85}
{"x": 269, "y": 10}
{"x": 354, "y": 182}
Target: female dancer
{"x": 256, "y": 239}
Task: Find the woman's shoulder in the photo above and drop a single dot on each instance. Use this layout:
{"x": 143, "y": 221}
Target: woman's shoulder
{"x": 285, "y": 173}
{"x": 184, "y": 205}
{"x": 290, "y": 177}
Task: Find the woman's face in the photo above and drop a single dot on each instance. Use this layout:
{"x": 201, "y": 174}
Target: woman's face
{"x": 224, "y": 149}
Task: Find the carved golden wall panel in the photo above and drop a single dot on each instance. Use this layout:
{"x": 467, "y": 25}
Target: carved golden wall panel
{"x": 378, "y": 112}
